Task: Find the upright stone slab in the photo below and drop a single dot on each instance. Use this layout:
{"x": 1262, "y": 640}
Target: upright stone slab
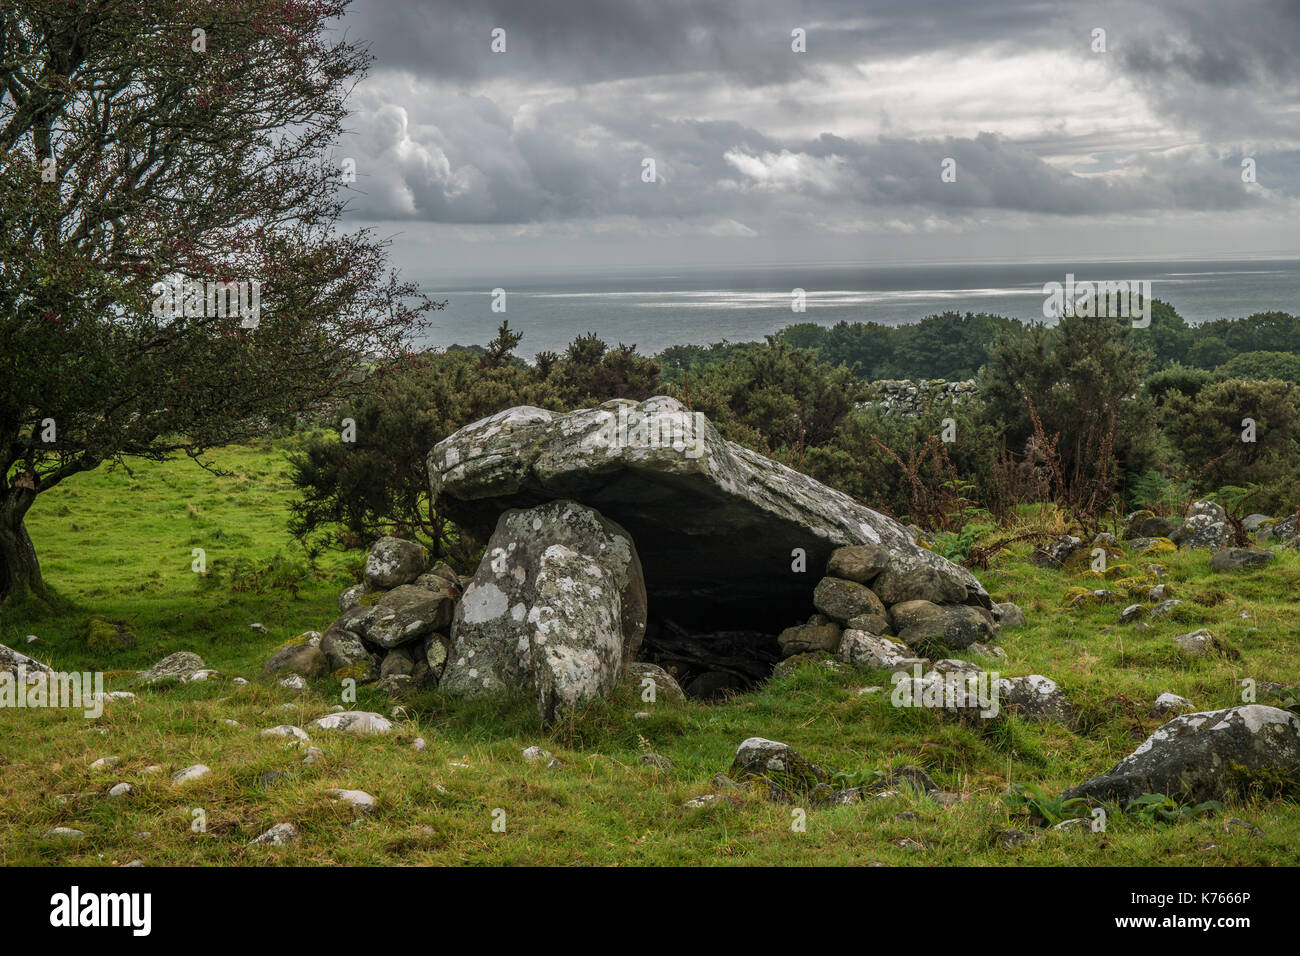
{"x": 719, "y": 528}
{"x": 556, "y": 607}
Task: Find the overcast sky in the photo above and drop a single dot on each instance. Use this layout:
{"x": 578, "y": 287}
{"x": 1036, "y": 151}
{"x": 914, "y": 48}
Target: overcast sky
{"x": 531, "y": 160}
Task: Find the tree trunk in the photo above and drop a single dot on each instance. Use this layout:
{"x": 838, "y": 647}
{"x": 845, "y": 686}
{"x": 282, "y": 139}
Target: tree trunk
{"x": 20, "y": 572}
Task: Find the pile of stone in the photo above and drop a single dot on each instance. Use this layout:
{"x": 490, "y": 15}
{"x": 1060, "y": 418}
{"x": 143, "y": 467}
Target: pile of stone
{"x": 393, "y": 627}
{"x": 876, "y": 609}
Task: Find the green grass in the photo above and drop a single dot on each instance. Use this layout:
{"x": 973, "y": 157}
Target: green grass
{"x": 117, "y": 547}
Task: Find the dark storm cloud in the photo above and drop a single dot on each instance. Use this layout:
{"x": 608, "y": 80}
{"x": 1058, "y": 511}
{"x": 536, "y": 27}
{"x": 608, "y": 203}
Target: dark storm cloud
{"x": 564, "y": 41}
{"x": 557, "y": 128}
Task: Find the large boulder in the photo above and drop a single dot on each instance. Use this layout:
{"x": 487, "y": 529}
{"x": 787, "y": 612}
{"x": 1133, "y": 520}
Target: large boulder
{"x": 556, "y": 608}
{"x": 722, "y": 531}
{"x": 1202, "y": 756}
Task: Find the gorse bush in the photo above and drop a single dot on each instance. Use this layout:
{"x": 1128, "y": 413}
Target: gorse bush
{"x": 1090, "y": 415}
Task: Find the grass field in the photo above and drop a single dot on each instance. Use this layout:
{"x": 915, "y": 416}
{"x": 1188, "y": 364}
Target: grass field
{"x": 118, "y": 547}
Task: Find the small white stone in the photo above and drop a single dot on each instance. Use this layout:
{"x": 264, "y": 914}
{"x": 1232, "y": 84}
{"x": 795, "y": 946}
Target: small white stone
{"x": 190, "y": 773}
{"x": 356, "y": 798}
{"x": 278, "y": 835}
{"x": 286, "y": 730}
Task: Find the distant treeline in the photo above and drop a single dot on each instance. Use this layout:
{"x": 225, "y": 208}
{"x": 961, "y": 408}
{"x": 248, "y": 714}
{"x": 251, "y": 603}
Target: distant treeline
{"x": 955, "y": 346}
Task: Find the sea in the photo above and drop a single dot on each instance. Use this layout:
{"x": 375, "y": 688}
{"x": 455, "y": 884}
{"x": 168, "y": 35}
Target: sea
{"x": 656, "y": 308}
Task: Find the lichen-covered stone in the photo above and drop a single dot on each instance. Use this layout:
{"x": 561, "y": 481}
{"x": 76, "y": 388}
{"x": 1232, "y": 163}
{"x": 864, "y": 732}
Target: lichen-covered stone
{"x": 775, "y": 763}
{"x": 408, "y": 613}
{"x": 841, "y": 601}
{"x": 360, "y": 722}
{"x": 858, "y": 562}
{"x": 344, "y": 649}
{"x": 665, "y": 687}
{"x": 173, "y": 667}
{"x": 393, "y": 562}
{"x": 556, "y": 608}
{"x": 1202, "y": 756}
{"x": 862, "y": 649}
{"x": 1237, "y": 559}
{"x": 957, "y": 626}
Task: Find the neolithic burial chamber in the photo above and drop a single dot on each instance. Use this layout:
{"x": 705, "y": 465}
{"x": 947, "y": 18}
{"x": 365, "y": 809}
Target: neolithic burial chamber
{"x": 726, "y": 550}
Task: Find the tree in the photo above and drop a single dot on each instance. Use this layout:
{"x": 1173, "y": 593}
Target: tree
{"x": 172, "y": 274}
{"x": 353, "y": 492}
{"x": 1082, "y": 379}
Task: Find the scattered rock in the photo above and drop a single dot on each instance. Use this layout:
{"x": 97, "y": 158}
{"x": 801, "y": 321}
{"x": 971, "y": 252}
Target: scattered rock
{"x": 1008, "y": 839}
{"x": 1202, "y": 532}
{"x": 1055, "y": 555}
{"x": 1036, "y": 697}
{"x": 1197, "y": 643}
{"x": 710, "y": 799}
{"x": 355, "y": 722}
{"x": 278, "y": 835}
{"x": 1007, "y": 616}
{"x": 776, "y": 763}
{"x": 1202, "y": 756}
{"x": 302, "y": 659}
{"x": 359, "y": 799}
{"x": 64, "y": 833}
{"x": 662, "y": 683}
{"x": 173, "y": 667}
{"x": 190, "y": 773}
{"x": 1168, "y": 704}
{"x": 1236, "y": 559}
{"x": 287, "y": 730}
